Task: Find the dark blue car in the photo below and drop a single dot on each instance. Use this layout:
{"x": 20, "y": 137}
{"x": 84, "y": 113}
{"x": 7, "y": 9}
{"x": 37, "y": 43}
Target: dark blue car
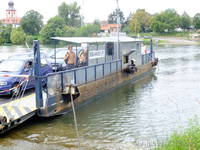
{"x": 16, "y": 66}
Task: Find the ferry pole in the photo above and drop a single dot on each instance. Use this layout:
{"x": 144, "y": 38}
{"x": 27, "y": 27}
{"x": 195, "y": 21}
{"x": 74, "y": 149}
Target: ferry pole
{"x": 37, "y": 65}
{"x": 118, "y": 22}
{"x": 151, "y": 48}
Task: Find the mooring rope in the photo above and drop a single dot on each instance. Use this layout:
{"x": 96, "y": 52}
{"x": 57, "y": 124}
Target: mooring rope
{"x": 75, "y": 120}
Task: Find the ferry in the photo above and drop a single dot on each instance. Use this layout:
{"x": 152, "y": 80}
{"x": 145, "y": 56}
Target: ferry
{"x": 111, "y": 62}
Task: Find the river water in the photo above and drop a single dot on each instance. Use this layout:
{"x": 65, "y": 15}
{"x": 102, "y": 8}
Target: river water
{"x": 135, "y": 116}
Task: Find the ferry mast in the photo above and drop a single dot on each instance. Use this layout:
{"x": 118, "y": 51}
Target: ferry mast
{"x": 118, "y": 22}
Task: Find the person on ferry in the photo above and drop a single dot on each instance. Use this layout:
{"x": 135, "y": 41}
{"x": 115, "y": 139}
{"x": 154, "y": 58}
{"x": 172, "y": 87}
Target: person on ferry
{"x": 82, "y": 57}
{"x": 70, "y": 58}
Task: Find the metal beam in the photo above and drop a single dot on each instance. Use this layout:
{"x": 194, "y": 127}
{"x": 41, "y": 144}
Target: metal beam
{"x": 37, "y": 66}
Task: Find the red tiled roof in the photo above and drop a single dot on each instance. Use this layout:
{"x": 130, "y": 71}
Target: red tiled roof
{"x": 109, "y": 26}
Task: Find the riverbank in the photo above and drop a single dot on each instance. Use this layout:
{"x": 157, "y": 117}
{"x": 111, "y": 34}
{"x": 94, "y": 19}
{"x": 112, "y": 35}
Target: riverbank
{"x": 174, "y": 38}
{"x": 175, "y": 41}
{"x": 189, "y": 139}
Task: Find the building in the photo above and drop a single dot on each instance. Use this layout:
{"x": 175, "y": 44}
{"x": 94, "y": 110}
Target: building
{"x": 11, "y": 15}
{"x": 108, "y": 28}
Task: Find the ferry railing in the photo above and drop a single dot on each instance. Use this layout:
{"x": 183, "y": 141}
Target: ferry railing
{"x": 78, "y": 76}
{"x": 146, "y": 58}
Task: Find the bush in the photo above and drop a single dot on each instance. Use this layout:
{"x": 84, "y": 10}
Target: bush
{"x": 18, "y": 36}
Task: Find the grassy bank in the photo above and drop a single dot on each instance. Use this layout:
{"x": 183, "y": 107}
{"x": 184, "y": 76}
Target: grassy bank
{"x": 186, "y": 140}
{"x": 171, "y": 34}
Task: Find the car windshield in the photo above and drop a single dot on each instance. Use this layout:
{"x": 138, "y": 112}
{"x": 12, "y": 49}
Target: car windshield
{"x": 11, "y": 65}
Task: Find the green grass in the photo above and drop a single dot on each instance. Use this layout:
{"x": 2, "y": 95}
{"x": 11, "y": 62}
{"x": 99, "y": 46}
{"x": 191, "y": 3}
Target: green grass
{"x": 186, "y": 140}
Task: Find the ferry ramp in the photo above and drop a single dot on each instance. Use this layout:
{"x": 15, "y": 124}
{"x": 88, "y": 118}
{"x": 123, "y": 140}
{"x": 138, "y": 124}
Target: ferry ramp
{"x": 14, "y": 112}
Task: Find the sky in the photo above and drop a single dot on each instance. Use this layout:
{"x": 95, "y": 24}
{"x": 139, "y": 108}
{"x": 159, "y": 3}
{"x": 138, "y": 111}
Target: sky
{"x": 100, "y": 9}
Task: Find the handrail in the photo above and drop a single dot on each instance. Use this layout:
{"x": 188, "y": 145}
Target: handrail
{"x": 78, "y": 68}
{"x": 78, "y": 78}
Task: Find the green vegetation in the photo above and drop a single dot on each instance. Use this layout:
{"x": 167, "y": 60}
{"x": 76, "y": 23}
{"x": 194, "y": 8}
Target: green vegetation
{"x": 54, "y": 27}
{"x": 140, "y": 21}
{"x": 69, "y": 23}
{"x": 186, "y": 140}
{"x": 88, "y": 30}
{"x": 166, "y": 21}
{"x": 5, "y": 32}
{"x": 185, "y": 21}
{"x": 32, "y": 23}
{"x": 66, "y": 23}
{"x": 112, "y": 18}
{"x": 70, "y": 13}
{"x": 196, "y": 21}
{"x": 18, "y": 36}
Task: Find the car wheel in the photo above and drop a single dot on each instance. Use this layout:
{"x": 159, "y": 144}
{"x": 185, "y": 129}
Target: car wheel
{"x": 16, "y": 89}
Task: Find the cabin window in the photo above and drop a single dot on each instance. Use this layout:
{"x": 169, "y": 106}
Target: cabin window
{"x": 110, "y": 48}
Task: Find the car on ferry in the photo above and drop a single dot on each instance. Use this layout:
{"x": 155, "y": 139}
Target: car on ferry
{"x": 11, "y": 68}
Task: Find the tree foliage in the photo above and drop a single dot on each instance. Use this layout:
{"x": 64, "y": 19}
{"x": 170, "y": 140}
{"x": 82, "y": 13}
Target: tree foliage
{"x": 32, "y": 22}
{"x": 126, "y": 27}
{"x": 196, "y": 21}
{"x": 88, "y": 30}
{"x": 54, "y": 27}
{"x": 70, "y": 13}
{"x": 5, "y": 32}
{"x": 140, "y": 21}
{"x": 112, "y": 18}
{"x": 165, "y": 21}
{"x": 18, "y": 36}
{"x": 185, "y": 21}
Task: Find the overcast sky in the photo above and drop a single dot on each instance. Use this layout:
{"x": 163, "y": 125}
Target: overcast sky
{"x": 100, "y": 9}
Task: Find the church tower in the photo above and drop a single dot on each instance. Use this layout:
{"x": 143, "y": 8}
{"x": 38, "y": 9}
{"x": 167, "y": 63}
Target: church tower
{"x": 11, "y": 16}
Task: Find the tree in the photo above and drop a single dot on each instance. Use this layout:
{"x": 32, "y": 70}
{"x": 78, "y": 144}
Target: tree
{"x": 140, "y": 21}
{"x": 5, "y": 32}
{"x": 32, "y": 22}
{"x": 54, "y": 27}
{"x": 70, "y": 14}
{"x": 126, "y": 27}
{"x": 196, "y": 21}
{"x": 166, "y": 21}
{"x": 88, "y": 30}
{"x": 185, "y": 21}
{"x": 112, "y": 18}
{"x": 1, "y": 31}
{"x": 18, "y": 36}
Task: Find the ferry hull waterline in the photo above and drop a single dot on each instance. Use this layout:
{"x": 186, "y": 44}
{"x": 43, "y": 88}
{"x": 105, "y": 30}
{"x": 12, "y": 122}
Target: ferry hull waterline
{"x": 109, "y": 63}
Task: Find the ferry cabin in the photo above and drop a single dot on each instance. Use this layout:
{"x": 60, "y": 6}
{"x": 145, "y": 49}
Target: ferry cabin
{"x": 106, "y": 49}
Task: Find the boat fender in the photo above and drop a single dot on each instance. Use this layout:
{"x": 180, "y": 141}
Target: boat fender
{"x": 70, "y": 89}
{"x": 131, "y": 69}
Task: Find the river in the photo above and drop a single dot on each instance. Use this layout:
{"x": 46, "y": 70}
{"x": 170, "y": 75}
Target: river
{"x": 135, "y": 116}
